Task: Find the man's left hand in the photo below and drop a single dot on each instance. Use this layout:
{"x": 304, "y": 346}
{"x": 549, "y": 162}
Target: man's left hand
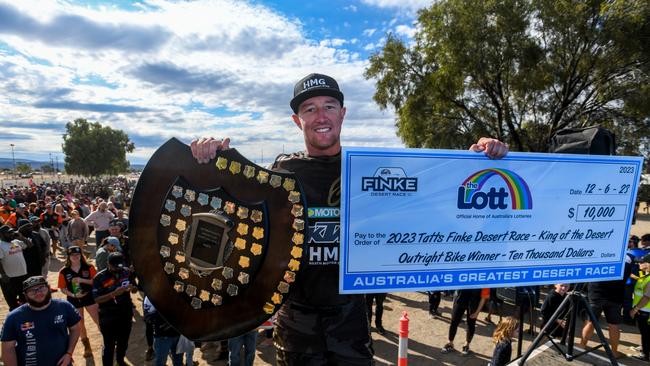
{"x": 65, "y": 360}
{"x": 493, "y": 148}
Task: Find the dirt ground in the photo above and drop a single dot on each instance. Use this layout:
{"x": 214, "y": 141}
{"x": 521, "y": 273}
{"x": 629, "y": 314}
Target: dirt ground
{"x": 426, "y": 335}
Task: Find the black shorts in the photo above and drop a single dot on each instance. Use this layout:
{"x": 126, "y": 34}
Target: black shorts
{"x": 82, "y": 302}
{"x": 611, "y": 309}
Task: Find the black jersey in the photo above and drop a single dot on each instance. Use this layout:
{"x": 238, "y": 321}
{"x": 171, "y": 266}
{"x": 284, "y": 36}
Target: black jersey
{"x": 317, "y": 282}
{"x": 316, "y": 318}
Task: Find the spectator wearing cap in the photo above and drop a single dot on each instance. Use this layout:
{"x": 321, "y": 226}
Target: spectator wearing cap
{"x": 107, "y": 246}
{"x": 32, "y": 252}
{"x": 78, "y": 231}
{"x": 100, "y": 219}
{"x": 20, "y": 213}
{"x": 13, "y": 267}
{"x": 641, "y": 310}
{"x": 111, "y": 290}
{"x": 44, "y": 331}
{"x": 76, "y": 282}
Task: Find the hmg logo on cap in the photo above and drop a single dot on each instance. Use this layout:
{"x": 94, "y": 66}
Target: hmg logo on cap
{"x": 313, "y": 83}
{"x": 470, "y": 194}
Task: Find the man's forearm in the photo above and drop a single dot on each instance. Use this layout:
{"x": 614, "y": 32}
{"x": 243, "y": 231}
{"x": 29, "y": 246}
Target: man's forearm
{"x": 9, "y": 354}
{"x": 75, "y": 331}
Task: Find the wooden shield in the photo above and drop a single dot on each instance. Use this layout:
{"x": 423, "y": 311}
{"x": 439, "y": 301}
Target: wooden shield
{"x": 215, "y": 246}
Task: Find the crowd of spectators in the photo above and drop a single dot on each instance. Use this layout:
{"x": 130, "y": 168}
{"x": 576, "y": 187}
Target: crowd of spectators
{"x": 39, "y": 221}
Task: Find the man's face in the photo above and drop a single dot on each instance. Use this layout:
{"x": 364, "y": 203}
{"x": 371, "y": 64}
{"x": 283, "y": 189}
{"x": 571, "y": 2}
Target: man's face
{"x": 320, "y": 119}
{"x": 645, "y": 243}
{"x": 645, "y": 267}
{"x": 38, "y": 296}
{"x": 115, "y": 231}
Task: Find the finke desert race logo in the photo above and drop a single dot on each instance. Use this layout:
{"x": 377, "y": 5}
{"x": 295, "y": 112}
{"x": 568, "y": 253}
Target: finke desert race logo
{"x": 389, "y": 181}
{"x": 471, "y": 195}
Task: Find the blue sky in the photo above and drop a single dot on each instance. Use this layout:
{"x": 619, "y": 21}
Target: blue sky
{"x": 160, "y": 69}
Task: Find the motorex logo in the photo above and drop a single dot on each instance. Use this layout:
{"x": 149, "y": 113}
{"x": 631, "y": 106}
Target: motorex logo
{"x": 389, "y": 180}
{"x": 516, "y": 193}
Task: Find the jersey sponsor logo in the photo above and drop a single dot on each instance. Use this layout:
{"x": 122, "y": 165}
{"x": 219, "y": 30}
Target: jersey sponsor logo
{"x": 108, "y": 282}
{"x": 324, "y": 232}
{"x": 323, "y": 212}
{"x": 323, "y": 255}
{"x": 323, "y": 240}
{"x": 26, "y": 326}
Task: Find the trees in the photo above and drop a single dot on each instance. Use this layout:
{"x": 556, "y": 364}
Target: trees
{"x": 23, "y": 168}
{"x": 92, "y": 149}
{"x": 519, "y": 70}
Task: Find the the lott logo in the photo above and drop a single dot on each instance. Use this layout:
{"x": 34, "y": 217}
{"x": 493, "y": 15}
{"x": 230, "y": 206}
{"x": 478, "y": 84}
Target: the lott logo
{"x": 471, "y": 196}
{"x": 389, "y": 180}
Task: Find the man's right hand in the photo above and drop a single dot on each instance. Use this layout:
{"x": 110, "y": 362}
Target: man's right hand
{"x": 205, "y": 148}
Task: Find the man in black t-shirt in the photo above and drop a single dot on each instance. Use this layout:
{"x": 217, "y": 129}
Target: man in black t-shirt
{"x": 111, "y": 290}
{"x": 317, "y": 325}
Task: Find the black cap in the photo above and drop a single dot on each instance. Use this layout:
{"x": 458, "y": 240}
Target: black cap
{"x": 34, "y": 281}
{"x": 4, "y": 229}
{"x": 116, "y": 259}
{"x": 74, "y": 249}
{"x": 23, "y": 223}
{"x": 645, "y": 259}
{"x": 34, "y": 219}
{"x": 315, "y": 85}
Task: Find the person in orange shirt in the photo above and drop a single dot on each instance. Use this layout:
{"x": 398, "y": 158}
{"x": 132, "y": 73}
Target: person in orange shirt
{"x": 20, "y": 213}
{"x": 5, "y": 211}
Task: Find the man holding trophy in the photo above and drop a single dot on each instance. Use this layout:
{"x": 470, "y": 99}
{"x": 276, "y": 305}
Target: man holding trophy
{"x": 317, "y": 325}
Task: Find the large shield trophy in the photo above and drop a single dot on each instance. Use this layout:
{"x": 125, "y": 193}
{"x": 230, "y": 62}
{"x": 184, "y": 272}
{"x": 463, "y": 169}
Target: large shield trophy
{"x": 215, "y": 246}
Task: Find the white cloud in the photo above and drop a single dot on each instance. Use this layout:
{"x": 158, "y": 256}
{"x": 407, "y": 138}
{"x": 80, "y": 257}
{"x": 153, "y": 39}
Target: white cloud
{"x": 405, "y": 31}
{"x": 369, "y": 32}
{"x": 407, "y": 5}
{"x": 184, "y": 69}
{"x": 351, "y": 8}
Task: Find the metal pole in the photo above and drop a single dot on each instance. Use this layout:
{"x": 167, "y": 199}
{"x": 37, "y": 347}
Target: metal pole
{"x": 14, "y": 160}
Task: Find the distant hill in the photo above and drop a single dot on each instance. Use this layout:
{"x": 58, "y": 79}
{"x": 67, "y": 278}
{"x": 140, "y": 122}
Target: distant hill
{"x": 36, "y": 165}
